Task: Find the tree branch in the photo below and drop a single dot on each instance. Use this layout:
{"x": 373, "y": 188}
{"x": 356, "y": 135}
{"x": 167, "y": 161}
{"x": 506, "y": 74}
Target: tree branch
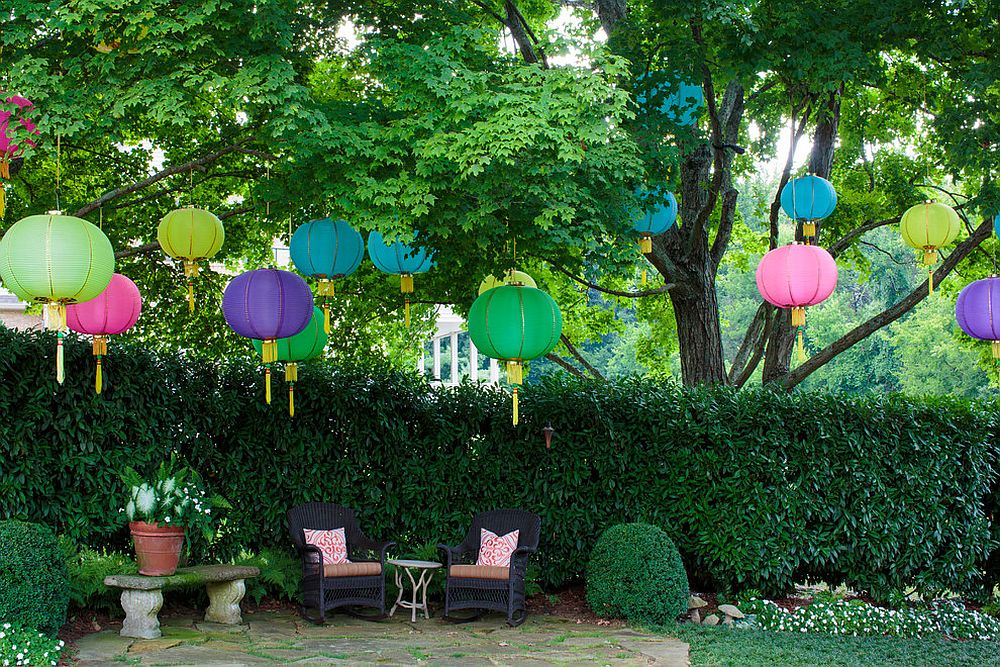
{"x": 841, "y": 244}
{"x": 580, "y": 358}
{"x": 555, "y": 358}
{"x": 158, "y": 176}
{"x": 613, "y": 292}
{"x": 891, "y": 314}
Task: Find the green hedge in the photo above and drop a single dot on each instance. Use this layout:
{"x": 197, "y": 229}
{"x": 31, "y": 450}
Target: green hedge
{"x": 34, "y": 588}
{"x": 757, "y": 488}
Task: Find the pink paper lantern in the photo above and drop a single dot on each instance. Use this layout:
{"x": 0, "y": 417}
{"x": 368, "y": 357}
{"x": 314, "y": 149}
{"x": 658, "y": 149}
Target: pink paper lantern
{"x": 795, "y": 276}
{"x": 9, "y": 147}
{"x": 112, "y": 312}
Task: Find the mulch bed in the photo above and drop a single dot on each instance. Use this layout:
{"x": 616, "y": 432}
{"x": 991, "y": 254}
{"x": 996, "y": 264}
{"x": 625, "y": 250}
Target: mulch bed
{"x": 571, "y": 603}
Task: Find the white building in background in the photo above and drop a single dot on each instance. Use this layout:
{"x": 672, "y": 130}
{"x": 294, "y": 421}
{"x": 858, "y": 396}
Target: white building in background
{"x": 453, "y": 356}
{"x": 13, "y": 315}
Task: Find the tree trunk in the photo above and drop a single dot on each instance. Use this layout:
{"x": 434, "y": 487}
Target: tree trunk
{"x": 777, "y": 360}
{"x": 699, "y": 334}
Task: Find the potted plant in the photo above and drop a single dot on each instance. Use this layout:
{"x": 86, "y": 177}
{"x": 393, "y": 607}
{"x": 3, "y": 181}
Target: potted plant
{"x": 160, "y": 511}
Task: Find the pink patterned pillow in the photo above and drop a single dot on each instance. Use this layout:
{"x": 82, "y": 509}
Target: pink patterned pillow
{"x": 332, "y": 543}
{"x": 496, "y": 550}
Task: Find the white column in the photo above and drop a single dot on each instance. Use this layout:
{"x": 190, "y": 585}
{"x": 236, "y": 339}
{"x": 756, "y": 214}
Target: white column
{"x": 454, "y": 357}
{"x": 473, "y": 362}
{"x": 494, "y": 372}
{"x": 422, "y": 363}
{"x": 436, "y": 351}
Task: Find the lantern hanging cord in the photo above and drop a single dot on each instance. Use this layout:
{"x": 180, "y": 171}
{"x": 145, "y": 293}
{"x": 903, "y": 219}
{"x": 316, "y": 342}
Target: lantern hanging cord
{"x": 58, "y": 159}
{"x": 267, "y": 203}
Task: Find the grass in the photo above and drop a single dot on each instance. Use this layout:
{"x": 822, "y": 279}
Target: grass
{"x": 725, "y": 647}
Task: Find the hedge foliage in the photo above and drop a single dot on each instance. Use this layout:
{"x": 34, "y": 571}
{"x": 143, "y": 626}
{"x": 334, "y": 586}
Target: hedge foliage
{"x": 34, "y": 588}
{"x": 635, "y": 572}
{"x": 757, "y": 488}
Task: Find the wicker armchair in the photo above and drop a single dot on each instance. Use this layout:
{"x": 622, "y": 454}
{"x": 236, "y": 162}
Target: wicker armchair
{"x": 469, "y": 586}
{"x": 360, "y": 583}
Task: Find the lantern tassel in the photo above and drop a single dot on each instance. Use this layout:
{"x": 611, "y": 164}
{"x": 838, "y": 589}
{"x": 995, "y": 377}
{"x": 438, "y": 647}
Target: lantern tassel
{"x": 98, "y": 378}
{"x": 406, "y": 311}
{"x": 269, "y": 351}
{"x": 291, "y": 376}
{"x": 644, "y": 276}
{"x": 515, "y": 406}
{"x": 190, "y": 297}
{"x": 930, "y": 281}
{"x": 801, "y": 346}
{"x": 996, "y": 350}
{"x": 4, "y": 167}
{"x": 325, "y": 287}
{"x": 291, "y": 400}
{"x": 808, "y": 229}
{"x": 60, "y": 370}
{"x": 326, "y": 317}
{"x": 3, "y": 200}
{"x": 645, "y": 244}
{"x": 406, "y": 283}
{"x": 267, "y": 383}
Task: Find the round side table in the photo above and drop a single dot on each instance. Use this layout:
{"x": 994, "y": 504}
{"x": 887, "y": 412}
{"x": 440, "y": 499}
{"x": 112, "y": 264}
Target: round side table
{"x": 419, "y": 584}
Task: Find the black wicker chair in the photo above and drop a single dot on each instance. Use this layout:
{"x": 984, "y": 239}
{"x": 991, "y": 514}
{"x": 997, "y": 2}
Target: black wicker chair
{"x": 360, "y": 583}
{"x": 471, "y": 587}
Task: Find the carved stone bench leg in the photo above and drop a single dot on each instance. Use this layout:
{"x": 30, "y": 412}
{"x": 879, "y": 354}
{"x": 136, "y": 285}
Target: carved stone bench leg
{"x": 224, "y": 602}
{"x": 141, "y": 609}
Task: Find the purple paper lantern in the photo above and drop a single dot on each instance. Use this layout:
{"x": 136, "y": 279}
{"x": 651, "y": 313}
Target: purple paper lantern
{"x": 977, "y": 311}
{"x": 267, "y": 304}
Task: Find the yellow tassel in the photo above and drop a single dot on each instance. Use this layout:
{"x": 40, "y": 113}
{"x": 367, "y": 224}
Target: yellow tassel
{"x": 406, "y": 311}
{"x": 515, "y": 372}
{"x": 4, "y": 167}
{"x": 100, "y": 346}
{"x": 645, "y": 244}
{"x": 808, "y": 229}
{"x": 406, "y": 283}
{"x": 60, "y": 370}
{"x": 190, "y": 297}
{"x": 930, "y": 256}
{"x": 930, "y": 282}
{"x": 326, "y": 318}
{"x": 267, "y": 384}
{"x": 325, "y": 287}
{"x": 515, "y": 406}
{"x": 644, "y": 276}
{"x": 269, "y": 351}
{"x": 98, "y": 378}
{"x": 291, "y": 400}
{"x": 191, "y": 269}
{"x": 55, "y": 316}
{"x": 3, "y": 200}
{"x": 798, "y": 317}
{"x": 291, "y": 372}
{"x": 801, "y": 347}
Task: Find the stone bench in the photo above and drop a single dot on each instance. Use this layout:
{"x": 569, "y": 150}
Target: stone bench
{"x": 142, "y": 596}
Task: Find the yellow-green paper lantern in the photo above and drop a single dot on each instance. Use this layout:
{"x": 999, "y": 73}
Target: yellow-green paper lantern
{"x": 58, "y": 260}
{"x": 930, "y": 226}
{"x": 190, "y": 235}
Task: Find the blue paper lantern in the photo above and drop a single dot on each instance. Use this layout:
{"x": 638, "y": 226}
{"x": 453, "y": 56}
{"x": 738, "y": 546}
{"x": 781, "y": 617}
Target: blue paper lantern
{"x": 326, "y": 250}
{"x": 808, "y": 198}
{"x": 679, "y": 102}
{"x": 655, "y": 217}
{"x": 996, "y": 224}
{"x": 402, "y": 259}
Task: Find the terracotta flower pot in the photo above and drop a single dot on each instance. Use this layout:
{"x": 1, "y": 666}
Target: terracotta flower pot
{"x": 157, "y": 548}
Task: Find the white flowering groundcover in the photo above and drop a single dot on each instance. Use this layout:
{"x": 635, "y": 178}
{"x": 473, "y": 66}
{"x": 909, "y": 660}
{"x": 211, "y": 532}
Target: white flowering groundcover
{"x": 859, "y": 619}
{"x": 19, "y": 646}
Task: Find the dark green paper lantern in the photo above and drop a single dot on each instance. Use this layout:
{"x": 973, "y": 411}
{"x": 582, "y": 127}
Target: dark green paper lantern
{"x": 514, "y": 324}
{"x": 305, "y": 345}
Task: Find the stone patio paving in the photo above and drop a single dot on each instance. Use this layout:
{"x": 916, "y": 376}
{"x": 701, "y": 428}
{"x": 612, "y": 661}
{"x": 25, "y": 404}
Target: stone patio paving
{"x": 281, "y": 638}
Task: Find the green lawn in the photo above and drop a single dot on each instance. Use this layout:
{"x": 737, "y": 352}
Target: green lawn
{"x": 723, "y": 647}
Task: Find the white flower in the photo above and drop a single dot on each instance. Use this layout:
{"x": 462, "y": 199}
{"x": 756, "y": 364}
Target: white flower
{"x": 167, "y": 519}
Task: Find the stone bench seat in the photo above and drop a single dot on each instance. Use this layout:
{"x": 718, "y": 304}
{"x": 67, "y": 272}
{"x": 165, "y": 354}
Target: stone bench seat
{"x": 142, "y": 596}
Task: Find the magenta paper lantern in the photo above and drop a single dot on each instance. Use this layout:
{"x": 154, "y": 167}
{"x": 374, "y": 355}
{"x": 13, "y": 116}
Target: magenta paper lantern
{"x": 111, "y": 312}
{"x": 796, "y": 276}
{"x": 267, "y": 304}
{"x": 977, "y": 311}
{"x": 9, "y": 147}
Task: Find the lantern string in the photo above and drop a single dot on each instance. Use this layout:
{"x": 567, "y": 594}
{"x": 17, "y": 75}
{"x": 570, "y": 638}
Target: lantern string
{"x": 58, "y": 160}
{"x": 267, "y": 203}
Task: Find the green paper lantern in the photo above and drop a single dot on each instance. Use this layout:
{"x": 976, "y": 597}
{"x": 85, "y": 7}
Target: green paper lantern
{"x": 515, "y": 323}
{"x": 303, "y": 346}
{"x": 512, "y": 277}
{"x": 928, "y": 227}
{"x": 190, "y": 235}
{"x": 56, "y": 259}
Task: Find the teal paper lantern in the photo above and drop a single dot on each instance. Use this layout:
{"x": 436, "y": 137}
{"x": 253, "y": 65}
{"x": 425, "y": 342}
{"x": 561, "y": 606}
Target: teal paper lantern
{"x": 326, "y": 250}
{"x": 401, "y": 259}
{"x": 808, "y": 198}
{"x": 680, "y": 102}
{"x": 658, "y": 214}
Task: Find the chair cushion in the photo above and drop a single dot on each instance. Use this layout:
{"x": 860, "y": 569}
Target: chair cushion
{"x": 479, "y": 572}
{"x": 332, "y": 543}
{"x": 352, "y": 570}
{"x": 495, "y": 550}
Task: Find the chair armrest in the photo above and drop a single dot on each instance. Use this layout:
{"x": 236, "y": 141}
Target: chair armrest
{"x": 524, "y": 551}
{"x": 310, "y": 553}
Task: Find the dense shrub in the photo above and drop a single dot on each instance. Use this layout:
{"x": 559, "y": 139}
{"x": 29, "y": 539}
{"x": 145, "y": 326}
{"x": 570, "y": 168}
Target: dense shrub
{"x": 757, "y": 488}
{"x": 34, "y": 590}
{"x": 636, "y": 573}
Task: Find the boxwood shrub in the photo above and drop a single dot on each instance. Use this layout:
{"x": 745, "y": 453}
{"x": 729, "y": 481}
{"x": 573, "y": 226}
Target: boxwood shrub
{"x": 635, "y": 572}
{"x": 757, "y": 488}
{"x": 34, "y": 587}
